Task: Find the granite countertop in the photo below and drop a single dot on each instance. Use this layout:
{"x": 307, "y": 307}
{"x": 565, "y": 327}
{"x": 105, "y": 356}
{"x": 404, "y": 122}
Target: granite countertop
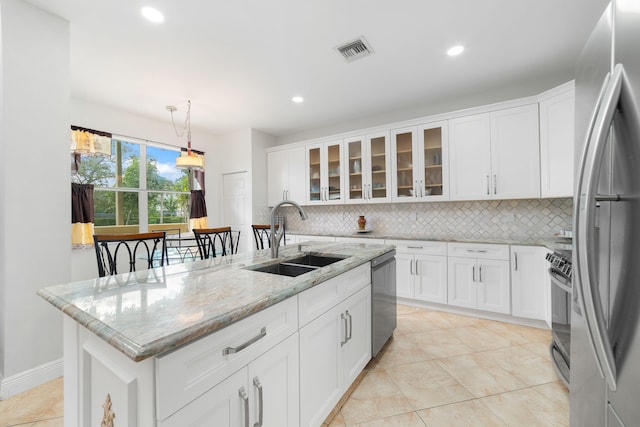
{"x": 146, "y": 313}
{"x": 551, "y": 242}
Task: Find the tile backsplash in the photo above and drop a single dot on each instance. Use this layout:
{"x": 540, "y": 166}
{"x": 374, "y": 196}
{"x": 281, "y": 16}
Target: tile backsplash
{"x": 521, "y": 220}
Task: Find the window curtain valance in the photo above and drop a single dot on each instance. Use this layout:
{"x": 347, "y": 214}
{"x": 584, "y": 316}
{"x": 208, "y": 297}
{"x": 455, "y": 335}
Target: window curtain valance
{"x": 82, "y": 221}
{"x": 89, "y": 141}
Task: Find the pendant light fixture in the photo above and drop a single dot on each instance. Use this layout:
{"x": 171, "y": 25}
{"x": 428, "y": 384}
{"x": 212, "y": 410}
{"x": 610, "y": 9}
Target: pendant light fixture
{"x": 189, "y": 159}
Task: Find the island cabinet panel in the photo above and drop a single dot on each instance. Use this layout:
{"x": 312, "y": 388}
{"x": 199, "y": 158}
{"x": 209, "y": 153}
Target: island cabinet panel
{"x": 189, "y": 372}
{"x": 267, "y": 386}
{"x": 334, "y": 348}
{"x": 108, "y": 384}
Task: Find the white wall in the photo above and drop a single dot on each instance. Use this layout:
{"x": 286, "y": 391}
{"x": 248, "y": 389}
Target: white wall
{"x": 259, "y": 142}
{"x": 36, "y": 198}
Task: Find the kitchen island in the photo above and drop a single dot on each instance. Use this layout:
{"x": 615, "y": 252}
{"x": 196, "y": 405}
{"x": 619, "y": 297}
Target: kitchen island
{"x": 217, "y": 340}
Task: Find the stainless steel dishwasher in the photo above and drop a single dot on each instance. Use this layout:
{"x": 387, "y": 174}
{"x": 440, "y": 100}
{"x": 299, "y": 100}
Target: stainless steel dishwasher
{"x": 383, "y": 300}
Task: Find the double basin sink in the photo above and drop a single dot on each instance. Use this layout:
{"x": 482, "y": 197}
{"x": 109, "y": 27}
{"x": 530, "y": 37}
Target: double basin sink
{"x": 299, "y": 265}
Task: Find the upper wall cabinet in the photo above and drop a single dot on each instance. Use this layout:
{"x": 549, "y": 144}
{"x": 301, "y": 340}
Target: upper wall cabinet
{"x": 419, "y": 163}
{"x": 495, "y": 155}
{"x": 324, "y": 173}
{"x": 556, "y": 144}
{"x": 367, "y": 159}
{"x": 285, "y": 169}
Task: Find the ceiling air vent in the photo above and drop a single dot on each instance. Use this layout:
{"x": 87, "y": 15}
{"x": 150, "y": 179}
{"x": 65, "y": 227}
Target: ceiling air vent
{"x": 355, "y": 49}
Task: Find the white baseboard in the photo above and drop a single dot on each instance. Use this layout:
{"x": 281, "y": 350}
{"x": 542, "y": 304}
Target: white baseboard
{"x": 26, "y": 380}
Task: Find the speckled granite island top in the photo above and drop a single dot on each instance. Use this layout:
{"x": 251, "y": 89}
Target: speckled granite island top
{"x": 146, "y": 313}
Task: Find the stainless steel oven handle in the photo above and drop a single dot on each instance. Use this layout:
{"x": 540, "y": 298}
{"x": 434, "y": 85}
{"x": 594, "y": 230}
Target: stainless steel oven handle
{"x": 587, "y": 253}
{"x": 559, "y": 281}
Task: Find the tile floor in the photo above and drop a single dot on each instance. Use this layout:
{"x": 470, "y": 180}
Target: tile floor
{"x": 440, "y": 369}
{"x": 443, "y": 369}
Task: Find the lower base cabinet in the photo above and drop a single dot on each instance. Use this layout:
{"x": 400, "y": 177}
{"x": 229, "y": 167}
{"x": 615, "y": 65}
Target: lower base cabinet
{"x": 334, "y": 348}
{"x": 264, "y": 393}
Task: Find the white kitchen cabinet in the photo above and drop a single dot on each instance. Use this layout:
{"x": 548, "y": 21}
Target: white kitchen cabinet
{"x": 530, "y": 293}
{"x": 421, "y": 270}
{"x": 557, "y": 122}
{"x": 495, "y": 155}
{"x": 368, "y": 165}
{"x": 268, "y": 385}
{"x": 478, "y": 277}
{"x": 324, "y": 174}
{"x": 335, "y": 345}
{"x": 419, "y": 163}
{"x": 285, "y": 175}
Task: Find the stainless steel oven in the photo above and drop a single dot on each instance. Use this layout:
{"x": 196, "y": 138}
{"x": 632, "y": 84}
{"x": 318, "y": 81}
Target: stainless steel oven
{"x": 560, "y": 272}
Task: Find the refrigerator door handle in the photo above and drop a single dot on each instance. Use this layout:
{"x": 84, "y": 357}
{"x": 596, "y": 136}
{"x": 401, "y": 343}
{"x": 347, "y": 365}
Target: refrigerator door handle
{"x": 586, "y": 210}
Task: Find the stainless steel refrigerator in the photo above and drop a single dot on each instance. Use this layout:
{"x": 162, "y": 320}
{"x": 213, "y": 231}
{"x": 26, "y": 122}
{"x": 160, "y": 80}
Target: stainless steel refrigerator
{"x": 605, "y": 318}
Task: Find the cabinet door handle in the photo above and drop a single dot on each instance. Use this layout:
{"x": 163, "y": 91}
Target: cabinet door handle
{"x": 284, "y": 194}
{"x": 417, "y": 268}
{"x": 488, "y": 191}
{"x": 245, "y": 402}
{"x": 411, "y": 267}
{"x": 480, "y": 274}
{"x": 370, "y": 192}
{"x": 515, "y": 257}
{"x": 344, "y": 319}
{"x": 415, "y": 188}
{"x": 473, "y": 273}
{"x": 495, "y": 184}
{"x": 230, "y": 350}
{"x": 256, "y": 383}
{"x": 421, "y": 189}
{"x": 477, "y": 251}
{"x": 350, "y": 325}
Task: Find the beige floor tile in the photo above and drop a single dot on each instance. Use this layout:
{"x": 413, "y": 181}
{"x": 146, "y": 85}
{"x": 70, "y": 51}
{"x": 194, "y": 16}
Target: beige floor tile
{"x": 52, "y": 422}
{"x": 405, "y": 420}
{"x": 480, "y": 375}
{"x": 423, "y": 321}
{"x": 376, "y": 397}
{"x": 480, "y": 339}
{"x": 527, "y": 407}
{"x": 540, "y": 348}
{"x": 555, "y": 391}
{"x": 337, "y": 421}
{"x": 440, "y": 343}
{"x": 401, "y": 350}
{"x": 518, "y": 334}
{"x": 426, "y": 384}
{"x": 471, "y": 413}
{"x": 528, "y": 367}
{"x": 402, "y": 309}
{"x": 38, "y": 403}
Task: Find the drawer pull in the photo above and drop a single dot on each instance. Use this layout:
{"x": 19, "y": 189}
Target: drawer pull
{"x": 415, "y": 247}
{"x": 230, "y": 350}
{"x": 245, "y": 399}
{"x": 256, "y": 383}
{"x": 477, "y": 251}
{"x": 350, "y": 325}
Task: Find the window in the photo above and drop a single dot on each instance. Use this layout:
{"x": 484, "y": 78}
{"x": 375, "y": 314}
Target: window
{"x": 138, "y": 188}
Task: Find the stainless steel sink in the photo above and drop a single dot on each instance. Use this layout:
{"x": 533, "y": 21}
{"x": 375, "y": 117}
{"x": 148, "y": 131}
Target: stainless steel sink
{"x": 285, "y": 269}
{"x": 297, "y": 266}
{"x": 315, "y": 260}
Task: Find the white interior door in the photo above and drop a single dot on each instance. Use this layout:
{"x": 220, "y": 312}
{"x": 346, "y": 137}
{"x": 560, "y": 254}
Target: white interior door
{"x": 236, "y": 207}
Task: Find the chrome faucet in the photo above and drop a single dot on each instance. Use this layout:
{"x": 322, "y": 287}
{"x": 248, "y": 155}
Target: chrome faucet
{"x": 276, "y": 236}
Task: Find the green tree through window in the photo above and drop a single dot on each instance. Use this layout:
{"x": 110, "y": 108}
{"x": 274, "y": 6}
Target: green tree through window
{"x": 118, "y": 188}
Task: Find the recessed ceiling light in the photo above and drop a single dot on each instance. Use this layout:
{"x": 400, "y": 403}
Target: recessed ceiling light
{"x": 297, "y": 99}
{"x": 153, "y": 15}
{"x": 455, "y": 50}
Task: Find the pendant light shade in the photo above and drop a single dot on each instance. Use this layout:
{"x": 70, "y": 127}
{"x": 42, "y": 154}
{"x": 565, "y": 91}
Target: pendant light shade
{"x": 188, "y": 159}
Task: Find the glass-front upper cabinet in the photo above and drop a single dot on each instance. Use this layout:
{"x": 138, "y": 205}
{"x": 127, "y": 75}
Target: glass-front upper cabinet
{"x": 419, "y": 161}
{"x": 325, "y": 178}
{"x": 368, "y": 163}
